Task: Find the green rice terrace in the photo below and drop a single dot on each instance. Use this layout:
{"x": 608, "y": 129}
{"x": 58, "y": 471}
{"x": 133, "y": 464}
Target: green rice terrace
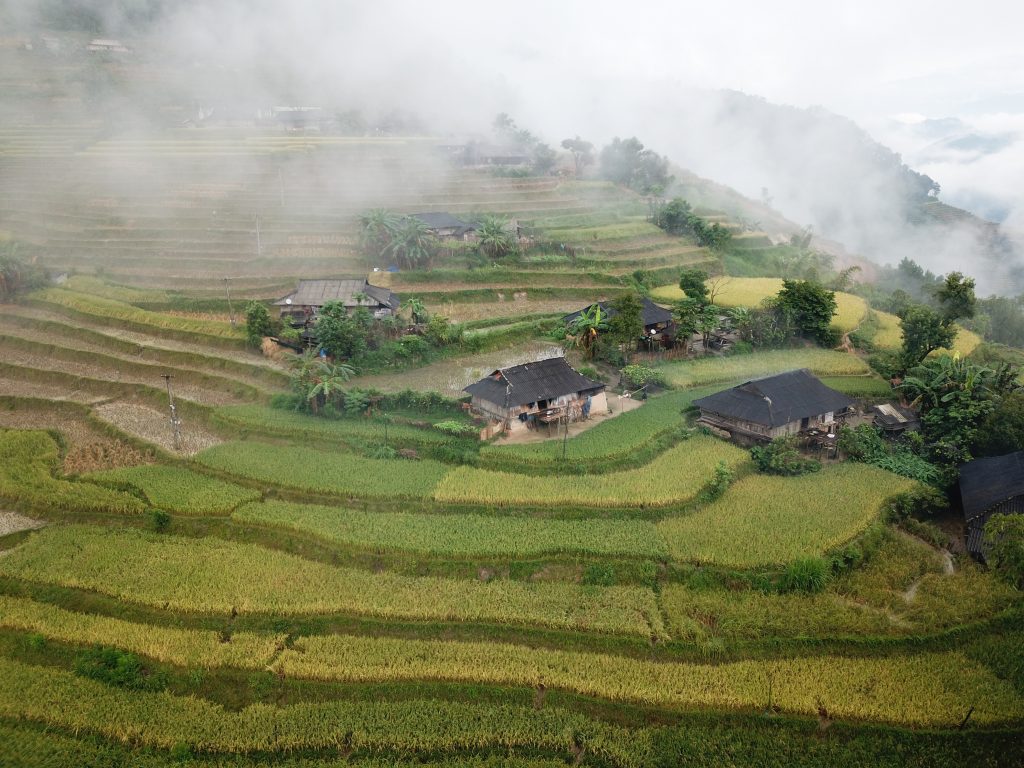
{"x": 380, "y": 584}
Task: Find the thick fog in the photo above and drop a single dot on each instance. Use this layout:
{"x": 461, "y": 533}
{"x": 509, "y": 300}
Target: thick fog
{"x": 940, "y": 86}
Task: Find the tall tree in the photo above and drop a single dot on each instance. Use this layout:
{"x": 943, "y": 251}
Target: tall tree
{"x": 626, "y": 324}
{"x": 257, "y": 322}
{"x": 627, "y": 162}
{"x": 956, "y": 297}
{"x": 582, "y": 153}
{"x": 924, "y": 331}
{"x": 810, "y": 306}
{"x": 692, "y": 282}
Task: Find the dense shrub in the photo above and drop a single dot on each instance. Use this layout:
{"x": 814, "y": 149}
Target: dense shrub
{"x": 865, "y": 444}
{"x": 599, "y": 574}
{"x": 115, "y": 667}
{"x": 1004, "y": 540}
{"x": 642, "y": 375}
{"x": 159, "y": 520}
{"x": 782, "y": 457}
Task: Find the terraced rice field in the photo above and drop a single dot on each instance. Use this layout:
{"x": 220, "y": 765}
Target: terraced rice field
{"x": 751, "y": 291}
{"x": 310, "y": 599}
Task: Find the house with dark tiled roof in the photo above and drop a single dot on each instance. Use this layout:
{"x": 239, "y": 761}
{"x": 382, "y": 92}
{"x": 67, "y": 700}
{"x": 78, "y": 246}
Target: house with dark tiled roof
{"x": 540, "y": 393}
{"x": 775, "y": 406}
{"x": 989, "y": 487}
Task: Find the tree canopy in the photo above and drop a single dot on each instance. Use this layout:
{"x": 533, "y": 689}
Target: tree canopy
{"x": 582, "y": 153}
{"x": 692, "y": 283}
{"x": 627, "y": 162}
{"x": 810, "y": 306}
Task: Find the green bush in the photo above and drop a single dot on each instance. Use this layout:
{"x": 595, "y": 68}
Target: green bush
{"x": 719, "y": 483}
{"x": 642, "y": 375}
{"x": 1004, "y": 540}
{"x": 806, "y": 574}
{"x": 159, "y": 520}
{"x": 456, "y": 428}
{"x": 119, "y": 668}
{"x": 599, "y": 574}
{"x": 782, "y": 457}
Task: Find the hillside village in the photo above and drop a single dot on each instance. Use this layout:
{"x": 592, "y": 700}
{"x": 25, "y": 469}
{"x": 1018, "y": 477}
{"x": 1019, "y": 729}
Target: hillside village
{"x": 496, "y": 454}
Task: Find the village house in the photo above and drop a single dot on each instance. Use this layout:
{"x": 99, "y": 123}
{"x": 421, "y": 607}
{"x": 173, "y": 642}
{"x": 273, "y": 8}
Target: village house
{"x": 444, "y": 226}
{"x": 302, "y": 306}
{"x": 988, "y": 487}
{"x": 658, "y": 323}
{"x": 533, "y": 394}
{"x": 775, "y": 406}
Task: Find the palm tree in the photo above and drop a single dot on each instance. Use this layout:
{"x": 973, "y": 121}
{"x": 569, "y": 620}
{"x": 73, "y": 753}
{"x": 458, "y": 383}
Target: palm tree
{"x": 328, "y": 381}
{"x": 494, "y": 238}
{"x": 586, "y": 328}
{"x": 412, "y": 245}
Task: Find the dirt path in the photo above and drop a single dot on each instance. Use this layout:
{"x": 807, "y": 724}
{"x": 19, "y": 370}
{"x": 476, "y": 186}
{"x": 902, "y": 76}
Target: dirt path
{"x": 948, "y": 568}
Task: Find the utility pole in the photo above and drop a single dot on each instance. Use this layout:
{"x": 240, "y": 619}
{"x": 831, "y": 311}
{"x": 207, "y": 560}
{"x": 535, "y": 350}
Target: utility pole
{"x": 231, "y": 311}
{"x": 280, "y": 181}
{"x": 259, "y": 242}
{"x": 565, "y": 437}
{"x": 175, "y": 421}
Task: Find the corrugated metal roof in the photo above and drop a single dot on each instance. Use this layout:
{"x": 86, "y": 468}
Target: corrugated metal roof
{"x": 316, "y": 293}
{"x": 530, "y": 382}
{"x": 776, "y": 400}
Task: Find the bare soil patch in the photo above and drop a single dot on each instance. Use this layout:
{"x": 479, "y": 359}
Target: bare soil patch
{"x": 12, "y": 522}
{"x": 154, "y": 426}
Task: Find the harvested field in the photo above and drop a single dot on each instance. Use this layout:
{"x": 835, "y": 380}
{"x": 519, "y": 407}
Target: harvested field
{"x": 136, "y": 337}
{"x": 89, "y": 449}
{"x": 182, "y": 389}
{"x": 17, "y": 388}
{"x": 153, "y": 426}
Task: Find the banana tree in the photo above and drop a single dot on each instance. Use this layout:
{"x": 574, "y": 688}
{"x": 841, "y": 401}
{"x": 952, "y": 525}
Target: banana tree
{"x": 585, "y": 329}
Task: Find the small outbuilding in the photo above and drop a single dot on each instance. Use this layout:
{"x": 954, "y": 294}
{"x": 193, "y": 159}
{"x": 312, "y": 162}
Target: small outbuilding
{"x": 895, "y": 419}
{"x": 302, "y": 306}
{"x": 445, "y": 226}
{"x": 541, "y": 393}
{"x": 775, "y": 406}
{"x": 988, "y": 487}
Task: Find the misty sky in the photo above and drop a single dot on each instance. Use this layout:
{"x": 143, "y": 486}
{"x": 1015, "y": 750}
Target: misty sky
{"x": 585, "y": 67}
